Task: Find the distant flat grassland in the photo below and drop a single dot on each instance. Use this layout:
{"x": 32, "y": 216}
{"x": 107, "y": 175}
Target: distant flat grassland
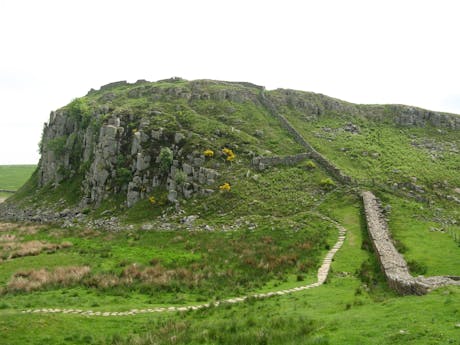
{"x": 12, "y": 177}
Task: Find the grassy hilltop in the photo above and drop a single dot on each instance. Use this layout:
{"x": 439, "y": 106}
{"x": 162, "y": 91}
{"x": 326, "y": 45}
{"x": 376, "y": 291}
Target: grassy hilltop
{"x": 132, "y": 157}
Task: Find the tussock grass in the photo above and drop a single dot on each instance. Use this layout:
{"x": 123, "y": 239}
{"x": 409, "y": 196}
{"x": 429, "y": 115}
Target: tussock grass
{"x": 246, "y": 330}
{"x": 26, "y": 281}
{"x": 13, "y": 249}
{"x": 27, "y": 229}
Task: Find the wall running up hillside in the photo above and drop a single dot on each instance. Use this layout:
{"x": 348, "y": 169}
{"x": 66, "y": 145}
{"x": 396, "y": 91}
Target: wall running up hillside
{"x": 391, "y": 261}
{"x": 318, "y": 157}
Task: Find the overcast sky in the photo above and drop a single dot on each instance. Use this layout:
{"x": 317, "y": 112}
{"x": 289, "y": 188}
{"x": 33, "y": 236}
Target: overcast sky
{"x": 361, "y": 51}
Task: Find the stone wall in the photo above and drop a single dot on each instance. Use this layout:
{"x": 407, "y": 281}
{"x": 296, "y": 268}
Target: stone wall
{"x": 264, "y": 162}
{"x": 391, "y": 261}
{"x": 318, "y": 157}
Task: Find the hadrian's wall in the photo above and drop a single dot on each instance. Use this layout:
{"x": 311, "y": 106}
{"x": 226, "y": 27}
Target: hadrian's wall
{"x": 318, "y": 157}
{"x": 391, "y": 261}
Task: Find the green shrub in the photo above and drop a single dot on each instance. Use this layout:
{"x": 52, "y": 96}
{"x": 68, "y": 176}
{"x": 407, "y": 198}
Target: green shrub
{"x": 57, "y": 145}
{"x": 123, "y": 176}
{"x": 180, "y": 178}
{"x": 310, "y": 165}
{"x": 327, "y": 183}
{"x": 80, "y": 111}
{"x": 166, "y": 159}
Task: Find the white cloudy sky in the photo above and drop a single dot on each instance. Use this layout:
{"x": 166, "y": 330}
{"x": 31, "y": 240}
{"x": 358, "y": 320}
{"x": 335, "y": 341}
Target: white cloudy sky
{"x": 361, "y": 51}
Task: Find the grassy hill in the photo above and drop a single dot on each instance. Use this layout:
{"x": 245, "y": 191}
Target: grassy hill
{"x": 269, "y": 230}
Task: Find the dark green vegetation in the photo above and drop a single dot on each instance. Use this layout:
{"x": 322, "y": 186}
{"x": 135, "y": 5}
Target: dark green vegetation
{"x": 265, "y": 234}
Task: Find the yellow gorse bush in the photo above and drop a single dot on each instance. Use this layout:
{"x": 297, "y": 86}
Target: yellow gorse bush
{"x": 152, "y": 200}
{"x": 225, "y": 187}
{"x": 208, "y": 153}
{"x": 229, "y": 153}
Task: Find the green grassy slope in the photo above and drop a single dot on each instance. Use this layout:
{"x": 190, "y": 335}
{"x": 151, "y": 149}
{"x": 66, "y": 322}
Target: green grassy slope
{"x": 346, "y": 310}
{"x": 265, "y": 234}
{"x": 260, "y": 235}
{"x": 414, "y": 170}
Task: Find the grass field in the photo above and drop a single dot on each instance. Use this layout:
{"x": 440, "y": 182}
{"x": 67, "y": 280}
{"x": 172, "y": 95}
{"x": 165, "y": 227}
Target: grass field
{"x": 214, "y": 247}
{"x": 12, "y": 177}
{"x": 353, "y": 307}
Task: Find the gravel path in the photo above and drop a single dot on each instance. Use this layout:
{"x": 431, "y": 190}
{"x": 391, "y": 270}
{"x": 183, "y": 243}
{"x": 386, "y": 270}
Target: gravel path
{"x": 321, "y": 278}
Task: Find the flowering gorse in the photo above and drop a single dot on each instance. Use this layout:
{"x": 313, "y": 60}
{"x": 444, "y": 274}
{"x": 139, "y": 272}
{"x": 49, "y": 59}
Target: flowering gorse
{"x": 208, "y": 153}
{"x": 225, "y": 187}
{"x": 229, "y": 153}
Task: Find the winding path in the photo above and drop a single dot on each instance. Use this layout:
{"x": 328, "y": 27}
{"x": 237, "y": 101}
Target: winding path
{"x": 322, "y": 274}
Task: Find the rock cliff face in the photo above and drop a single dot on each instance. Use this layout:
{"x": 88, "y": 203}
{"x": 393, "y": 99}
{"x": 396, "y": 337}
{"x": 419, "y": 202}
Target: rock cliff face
{"x": 131, "y": 139}
{"x": 315, "y": 105}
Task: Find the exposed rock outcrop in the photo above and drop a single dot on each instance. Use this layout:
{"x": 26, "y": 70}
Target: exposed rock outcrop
{"x": 111, "y": 140}
{"x": 314, "y": 105}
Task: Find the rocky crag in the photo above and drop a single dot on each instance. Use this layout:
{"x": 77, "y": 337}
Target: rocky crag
{"x": 128, "y": 140}
{"x": 120, "y": 149}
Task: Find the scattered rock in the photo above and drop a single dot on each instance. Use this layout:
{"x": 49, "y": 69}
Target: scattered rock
{"x": 189, "y": 220}
{"x": 259, "y": 133}
{"x": 353, "y": 129}
{"x": 147, "y": 227}
{"x": 172, "y": 196}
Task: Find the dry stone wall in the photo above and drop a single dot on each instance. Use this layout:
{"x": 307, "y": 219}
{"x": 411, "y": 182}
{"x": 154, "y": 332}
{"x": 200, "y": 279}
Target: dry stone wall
{"x": 318, "y": 157}
{"x": 391, "y": 261}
